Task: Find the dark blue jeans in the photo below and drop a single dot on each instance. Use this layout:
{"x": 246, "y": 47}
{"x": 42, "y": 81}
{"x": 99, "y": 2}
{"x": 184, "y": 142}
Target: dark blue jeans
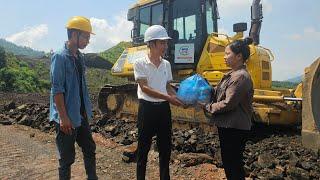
{"x": 66, "y": 148}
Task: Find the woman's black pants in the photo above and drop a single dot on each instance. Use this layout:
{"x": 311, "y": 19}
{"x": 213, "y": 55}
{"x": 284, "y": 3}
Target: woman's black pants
{"x": 232, "y": 143}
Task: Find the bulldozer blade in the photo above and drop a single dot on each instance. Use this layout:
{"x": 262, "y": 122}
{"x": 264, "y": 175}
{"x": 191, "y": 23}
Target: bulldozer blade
{"x": 310, "y": 107}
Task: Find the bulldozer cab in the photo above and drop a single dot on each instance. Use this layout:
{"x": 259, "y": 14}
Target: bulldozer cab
{"x": 188, "y": 22}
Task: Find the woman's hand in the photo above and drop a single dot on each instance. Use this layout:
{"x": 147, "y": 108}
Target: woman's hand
{"x": 202, "y": 105}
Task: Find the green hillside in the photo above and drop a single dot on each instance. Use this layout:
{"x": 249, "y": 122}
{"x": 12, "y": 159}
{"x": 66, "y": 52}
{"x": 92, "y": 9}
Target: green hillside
{"x": 19, "y": 50}
{"x": 97, "y": 78}
{"x": 20, "y": 73}
{"x": 284, "y": 84}
{"x": 17, "y": 76}
{"x": 114, "y": 53}
{"x": 93, "y": 60}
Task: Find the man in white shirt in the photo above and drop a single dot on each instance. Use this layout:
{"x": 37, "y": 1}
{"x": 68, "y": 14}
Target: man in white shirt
{"x": 153, "y": 74}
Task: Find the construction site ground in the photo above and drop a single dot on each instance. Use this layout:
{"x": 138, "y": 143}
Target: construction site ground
{"x": 28, "y": 151}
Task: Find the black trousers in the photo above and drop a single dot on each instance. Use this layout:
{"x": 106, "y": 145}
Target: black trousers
{"x": 66, "y": 149}
{"x": 232, "y": 143}
{"x": 154, "y": 119}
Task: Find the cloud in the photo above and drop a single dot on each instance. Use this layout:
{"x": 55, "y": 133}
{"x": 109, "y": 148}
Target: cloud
{"x": 108, "y": 35}
{"x": 309, "y": 33}
{"x": 294, "y": 37}
{"x": 281, "y": 71}
{"x": 266, "y": 7}
{"x": 223, "y": 30}
{"x": 229, "y": 6}
{"x": 29, "y": 36}
{"x": 232, "y": 7}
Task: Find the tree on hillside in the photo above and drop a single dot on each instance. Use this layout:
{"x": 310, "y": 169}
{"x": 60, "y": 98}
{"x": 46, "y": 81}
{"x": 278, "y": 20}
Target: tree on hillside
{"x": 18, "y": 76}
{"x": 19, "y": 80}
{"x": 3, "y": 61}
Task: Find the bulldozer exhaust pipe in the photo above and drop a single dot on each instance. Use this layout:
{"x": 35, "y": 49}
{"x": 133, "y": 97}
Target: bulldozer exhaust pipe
{"x": 264, "y": 98}
{"x": 291, "y": 99}
{"x": 310, "y": 107}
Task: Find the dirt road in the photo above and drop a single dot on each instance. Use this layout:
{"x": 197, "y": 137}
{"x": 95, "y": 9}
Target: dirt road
{"x": 27, "y": 153}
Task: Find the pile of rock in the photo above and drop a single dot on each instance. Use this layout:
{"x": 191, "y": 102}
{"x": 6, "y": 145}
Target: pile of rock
{"x": 121, "y": 131}
{"x": 33, "y": 115}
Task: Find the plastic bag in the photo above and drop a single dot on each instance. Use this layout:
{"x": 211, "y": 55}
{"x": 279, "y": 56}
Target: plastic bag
{"x": 194, "y": 89}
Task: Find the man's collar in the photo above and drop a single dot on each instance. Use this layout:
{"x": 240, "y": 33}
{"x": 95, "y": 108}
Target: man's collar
{"x": 148, "y": 61}
{"x": 68, "y": 52}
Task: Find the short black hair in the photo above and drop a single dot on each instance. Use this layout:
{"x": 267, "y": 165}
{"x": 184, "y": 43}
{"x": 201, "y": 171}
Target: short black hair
{"x": 241, "y": 46}
{"x": 70, "y": 31}
{"x": 151, "y": 42}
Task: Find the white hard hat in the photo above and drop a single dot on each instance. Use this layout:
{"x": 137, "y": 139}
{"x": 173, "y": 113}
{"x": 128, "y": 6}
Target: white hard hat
{"x": 156, "y": 32}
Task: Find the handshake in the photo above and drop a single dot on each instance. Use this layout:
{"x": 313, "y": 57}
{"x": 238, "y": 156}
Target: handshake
{"x": 194, "y": 90}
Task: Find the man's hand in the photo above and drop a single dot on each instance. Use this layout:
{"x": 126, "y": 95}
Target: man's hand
{"x": 65, "y": 125}
{"x": 175, "y": 101}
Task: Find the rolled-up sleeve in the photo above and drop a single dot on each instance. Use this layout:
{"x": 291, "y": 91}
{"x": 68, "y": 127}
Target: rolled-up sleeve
{"x": 139, "y": 71}
{"x": 57, "y": 74}
{"x": 234, "y": 93}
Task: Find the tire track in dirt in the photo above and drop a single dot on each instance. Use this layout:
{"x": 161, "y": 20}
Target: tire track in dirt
{"x": 24, "y": 157}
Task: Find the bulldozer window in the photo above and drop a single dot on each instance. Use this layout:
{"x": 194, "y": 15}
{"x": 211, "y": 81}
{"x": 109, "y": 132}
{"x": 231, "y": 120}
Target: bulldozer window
{"x": 144, "y": 20}
{"x": 209, "y": 16}
{"x": 150, "y": 15}
{"x": 184, "y": 14}
{"x": 157, "y": 14}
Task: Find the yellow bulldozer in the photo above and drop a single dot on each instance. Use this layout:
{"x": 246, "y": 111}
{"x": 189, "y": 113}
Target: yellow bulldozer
{"x": 197, "y": 47}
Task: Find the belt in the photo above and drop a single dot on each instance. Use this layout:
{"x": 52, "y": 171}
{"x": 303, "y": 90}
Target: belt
{"x": 153, "y": 103}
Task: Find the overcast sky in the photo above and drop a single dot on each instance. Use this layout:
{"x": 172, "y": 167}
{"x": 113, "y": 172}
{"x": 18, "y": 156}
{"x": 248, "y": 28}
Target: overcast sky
{"x": 290, "y": 28}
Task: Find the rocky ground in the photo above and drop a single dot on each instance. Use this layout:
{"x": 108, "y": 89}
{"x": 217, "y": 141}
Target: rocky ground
{"x": 271, "y": 152}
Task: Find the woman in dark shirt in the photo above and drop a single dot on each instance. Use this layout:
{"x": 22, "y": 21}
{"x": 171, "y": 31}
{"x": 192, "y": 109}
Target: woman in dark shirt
{"x": 231, "y": 108}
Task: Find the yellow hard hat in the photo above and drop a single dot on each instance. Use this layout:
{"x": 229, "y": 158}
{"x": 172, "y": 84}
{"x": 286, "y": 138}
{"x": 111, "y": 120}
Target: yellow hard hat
{"x": 80, "y": 23}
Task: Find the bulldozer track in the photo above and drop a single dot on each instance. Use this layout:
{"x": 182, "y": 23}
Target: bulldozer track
{"x": 121, "y": 102}
{"x": 120, "y": 91}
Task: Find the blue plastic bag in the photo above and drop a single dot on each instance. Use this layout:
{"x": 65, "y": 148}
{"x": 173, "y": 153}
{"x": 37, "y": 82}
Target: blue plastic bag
{"x": 194, "y": 89}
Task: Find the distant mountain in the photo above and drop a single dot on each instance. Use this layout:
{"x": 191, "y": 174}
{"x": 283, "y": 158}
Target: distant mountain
{"x": 20, "y": 51}
{"x": 297, "y": 79}
{"x": 103, "y": 60}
